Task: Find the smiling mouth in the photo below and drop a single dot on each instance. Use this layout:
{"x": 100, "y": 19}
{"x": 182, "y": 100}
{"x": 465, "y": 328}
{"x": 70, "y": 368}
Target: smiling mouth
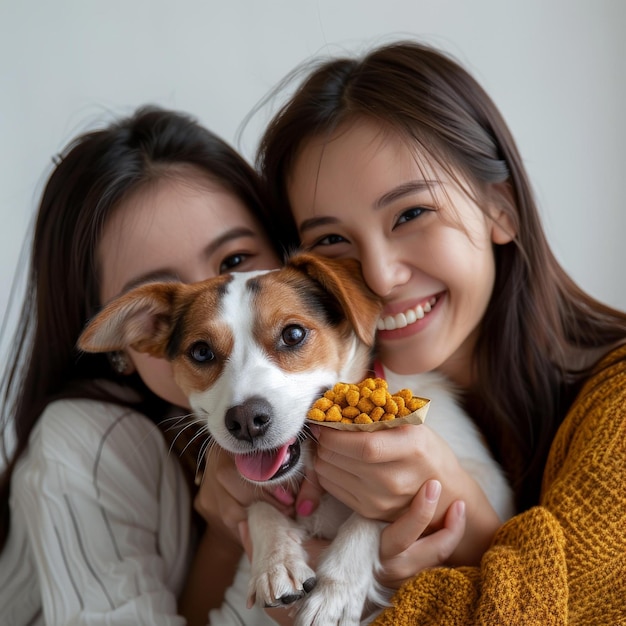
{"x": 408, "y": 317}
{"x": 267, "y": 465}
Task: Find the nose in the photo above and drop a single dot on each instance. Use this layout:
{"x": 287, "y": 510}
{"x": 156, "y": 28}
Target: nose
{"x": 250, "y": 419}
{"x": 383, "y": 269}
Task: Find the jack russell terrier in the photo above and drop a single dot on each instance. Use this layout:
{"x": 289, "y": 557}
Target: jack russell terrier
{"x": 252, "y": 351}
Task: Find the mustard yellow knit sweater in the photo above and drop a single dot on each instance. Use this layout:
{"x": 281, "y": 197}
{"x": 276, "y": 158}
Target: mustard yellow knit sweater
{"x": 563, "y": 561}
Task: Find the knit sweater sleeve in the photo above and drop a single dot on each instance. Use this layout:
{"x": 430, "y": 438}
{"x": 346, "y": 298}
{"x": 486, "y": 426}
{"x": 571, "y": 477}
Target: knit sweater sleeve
{"x": 563, "y": 561}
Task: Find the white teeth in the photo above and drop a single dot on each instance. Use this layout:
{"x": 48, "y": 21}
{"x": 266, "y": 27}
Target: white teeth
{"x": 401, "y": 320}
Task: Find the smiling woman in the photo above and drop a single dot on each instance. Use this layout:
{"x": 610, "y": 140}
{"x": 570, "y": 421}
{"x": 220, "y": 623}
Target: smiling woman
{"x": 97, "y": 522}
{"x": 401, "y": 160}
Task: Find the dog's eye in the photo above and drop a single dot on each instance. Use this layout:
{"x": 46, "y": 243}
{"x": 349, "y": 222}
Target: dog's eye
{"x": 201, "y": 352}
{"x": 293, "y": 335}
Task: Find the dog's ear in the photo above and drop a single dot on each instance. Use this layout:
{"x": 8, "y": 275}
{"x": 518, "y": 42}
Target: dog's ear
{"x": 342, "y": 278}
{"x": 140, "y": 319}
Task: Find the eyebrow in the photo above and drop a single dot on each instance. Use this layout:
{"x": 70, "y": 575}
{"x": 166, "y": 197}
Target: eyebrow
{"x": 157, "y": 276}
{"x": 405, "y": 189}
{"x": 229, "y": 235}
{"x": 163, "y": 275}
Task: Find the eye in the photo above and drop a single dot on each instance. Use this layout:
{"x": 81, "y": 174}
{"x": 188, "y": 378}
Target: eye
{"x": 201, "y": 352}
{"x": 411, "y": 214}
{"x": 231, "y": 262}
{"x": 330, "y": 240}
{"x": 293, "y": 335}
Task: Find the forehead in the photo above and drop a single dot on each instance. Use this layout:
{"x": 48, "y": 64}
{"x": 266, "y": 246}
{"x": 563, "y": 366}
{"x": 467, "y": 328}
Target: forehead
{"x": 165, "y": 224}
{"x": 360, "y": 162}
{"x": 362, "y": 146}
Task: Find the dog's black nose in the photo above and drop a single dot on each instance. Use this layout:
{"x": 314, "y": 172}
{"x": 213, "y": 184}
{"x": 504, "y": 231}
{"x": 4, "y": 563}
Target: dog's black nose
{"x": 250, "y": 419}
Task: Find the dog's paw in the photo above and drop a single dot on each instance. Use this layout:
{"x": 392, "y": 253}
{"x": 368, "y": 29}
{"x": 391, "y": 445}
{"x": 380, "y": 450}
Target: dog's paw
{"x": 281, "y": 580}
{"x": 331, "y": 603}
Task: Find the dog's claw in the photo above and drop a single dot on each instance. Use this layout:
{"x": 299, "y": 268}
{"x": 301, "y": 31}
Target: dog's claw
{"x": 290, "y": 598}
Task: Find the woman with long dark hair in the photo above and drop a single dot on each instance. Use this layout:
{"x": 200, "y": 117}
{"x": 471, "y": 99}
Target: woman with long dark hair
{"x": 96, "y": 491}
{"x": 400, "y": 159}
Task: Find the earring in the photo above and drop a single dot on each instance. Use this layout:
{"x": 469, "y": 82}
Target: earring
{"x": 118, "y": 361}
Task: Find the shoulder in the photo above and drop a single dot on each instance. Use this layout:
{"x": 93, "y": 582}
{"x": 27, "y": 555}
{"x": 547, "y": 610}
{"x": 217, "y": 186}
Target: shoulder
{"x": 69, "y": 425}
{"x": 603, "y": 394}
{"x": 594, "y": 428}
{"x": 95, "y": 440}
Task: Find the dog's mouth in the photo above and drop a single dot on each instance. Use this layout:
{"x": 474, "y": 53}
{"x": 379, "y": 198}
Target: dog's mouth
{"x": 267, "y": 465}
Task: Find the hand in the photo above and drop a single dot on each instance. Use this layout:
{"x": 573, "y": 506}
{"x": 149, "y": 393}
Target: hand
{"x": 224, "y": 495}
{"x": 406, "y": 551}
{"x": 378, "y": 474}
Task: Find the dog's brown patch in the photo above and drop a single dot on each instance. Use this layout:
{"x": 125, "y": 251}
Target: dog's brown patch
{"x": 322, "y": 297}
{"x": 200, "y": 321}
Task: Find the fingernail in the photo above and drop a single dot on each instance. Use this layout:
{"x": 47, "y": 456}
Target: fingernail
{"x": 315, "y": 431}
{"x": 460, "y": 508}
{"x": 433, "y": 490}
{"x": 305, "y": 508}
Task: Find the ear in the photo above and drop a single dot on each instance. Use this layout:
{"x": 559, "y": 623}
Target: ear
{"x": 342, "y": 278}
{"x": 503, "y": 230}
{"x": 140, "y": 319}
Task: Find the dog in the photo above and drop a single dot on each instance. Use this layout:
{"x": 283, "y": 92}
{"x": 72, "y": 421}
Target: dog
{"x": 252, "y": 351}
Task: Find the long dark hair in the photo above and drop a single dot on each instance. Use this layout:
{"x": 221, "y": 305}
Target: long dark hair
{"x": 93, "y": 175}
{"x": 536, "y": 315}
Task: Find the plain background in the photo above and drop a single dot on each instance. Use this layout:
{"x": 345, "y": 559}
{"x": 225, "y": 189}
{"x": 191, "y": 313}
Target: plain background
{"x": 556, "y": 69}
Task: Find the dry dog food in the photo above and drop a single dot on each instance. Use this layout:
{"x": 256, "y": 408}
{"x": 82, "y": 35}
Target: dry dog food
{"x": 364, "y": 403}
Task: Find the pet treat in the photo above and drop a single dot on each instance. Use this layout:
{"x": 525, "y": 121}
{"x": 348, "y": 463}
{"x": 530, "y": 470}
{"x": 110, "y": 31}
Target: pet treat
{"x": 364, "y": 403}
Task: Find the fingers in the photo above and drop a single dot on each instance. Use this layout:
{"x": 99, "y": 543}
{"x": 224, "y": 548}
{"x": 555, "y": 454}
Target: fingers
{"x": 409, "y": 527}
{"x": 339, "y": 448}
{"x": 405, "y": 551}
{"x": 308, "y": 497}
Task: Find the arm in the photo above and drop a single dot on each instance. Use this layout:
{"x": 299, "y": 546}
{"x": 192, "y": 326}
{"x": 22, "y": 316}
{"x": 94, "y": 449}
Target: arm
{"x": 562, "y": 561}
{"x": 106, "y": 513}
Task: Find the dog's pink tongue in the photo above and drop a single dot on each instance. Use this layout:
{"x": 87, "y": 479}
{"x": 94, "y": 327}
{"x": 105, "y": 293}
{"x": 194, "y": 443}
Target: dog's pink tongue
{"x": 261, "y": 466}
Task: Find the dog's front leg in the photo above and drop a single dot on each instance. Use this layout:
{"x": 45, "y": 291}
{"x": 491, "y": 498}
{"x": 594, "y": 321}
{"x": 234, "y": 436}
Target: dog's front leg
{"x": 280, "y": 573}
{"x": 345, "y": 577}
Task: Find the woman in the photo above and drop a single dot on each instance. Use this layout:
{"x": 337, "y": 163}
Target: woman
{"x": 97, "y": 494}
{"x": 401, "y": 160}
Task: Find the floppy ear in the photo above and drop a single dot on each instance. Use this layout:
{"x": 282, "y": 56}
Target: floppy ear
{"x": 140, "y": 319}
{"x": 342, "y": 278}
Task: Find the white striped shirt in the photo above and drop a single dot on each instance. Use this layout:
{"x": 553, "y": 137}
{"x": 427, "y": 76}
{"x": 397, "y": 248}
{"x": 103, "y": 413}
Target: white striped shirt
{"x": 100, "y": 522}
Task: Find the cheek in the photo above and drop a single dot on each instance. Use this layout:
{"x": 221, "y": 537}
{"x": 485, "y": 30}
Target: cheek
{"x": 158, "y": 376}
{"x": 465, "y": 264}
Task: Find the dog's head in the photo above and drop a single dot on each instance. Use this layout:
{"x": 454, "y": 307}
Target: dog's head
{"x": 251, "y": 350}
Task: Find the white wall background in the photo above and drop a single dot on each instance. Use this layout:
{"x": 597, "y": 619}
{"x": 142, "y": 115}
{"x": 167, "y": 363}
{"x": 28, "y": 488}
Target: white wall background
{"x": 556, "y": 68}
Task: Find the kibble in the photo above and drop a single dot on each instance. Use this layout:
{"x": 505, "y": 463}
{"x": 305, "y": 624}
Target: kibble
{"x": 364, "y": 403}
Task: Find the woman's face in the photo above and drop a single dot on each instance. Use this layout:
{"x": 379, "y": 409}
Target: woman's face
{"x": 424, "y": 246}
{"x": 184, "y": 227}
